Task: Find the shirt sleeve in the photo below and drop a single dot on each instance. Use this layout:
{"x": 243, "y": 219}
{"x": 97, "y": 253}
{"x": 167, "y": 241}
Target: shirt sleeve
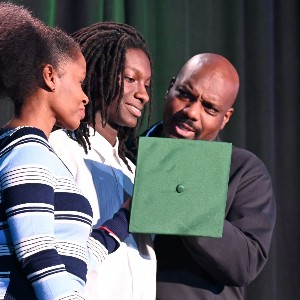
{"x": 113, "y": 231}
{"x": 28, "y": 204}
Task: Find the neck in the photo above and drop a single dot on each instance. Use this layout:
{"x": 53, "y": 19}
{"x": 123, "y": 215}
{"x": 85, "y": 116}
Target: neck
{"x": 108, "y": 132}
{"x": 17, "y": 122}
{"x": 35, "y": 112}
{"x": 33, "y": 116}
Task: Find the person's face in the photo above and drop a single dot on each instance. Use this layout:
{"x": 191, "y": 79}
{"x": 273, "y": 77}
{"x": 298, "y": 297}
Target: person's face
{"x": 137, "y": 76}
{"x": 198, "y": 104}
{"x": 70, "y": 100}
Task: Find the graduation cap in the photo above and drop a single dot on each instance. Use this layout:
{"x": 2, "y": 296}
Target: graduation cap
{"x": 180, "y": 187}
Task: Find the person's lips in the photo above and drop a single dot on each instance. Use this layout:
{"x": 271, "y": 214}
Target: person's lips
{"x": 137, "y": 112}
{"x": 184, "y": 130}
{"x": 82, "y": 112}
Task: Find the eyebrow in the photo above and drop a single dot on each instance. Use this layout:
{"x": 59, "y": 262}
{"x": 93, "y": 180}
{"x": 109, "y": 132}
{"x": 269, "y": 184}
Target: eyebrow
{"x": 211, "y": 103}
{"x": 132, "y": 68}
{"x": 137, "y": 71}
{"x": 189, "y": 89}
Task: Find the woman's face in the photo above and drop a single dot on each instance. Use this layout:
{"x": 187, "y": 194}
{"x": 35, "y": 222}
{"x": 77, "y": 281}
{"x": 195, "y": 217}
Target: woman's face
{"x": 137, "y": 76}
{"x": 70, "y": 100}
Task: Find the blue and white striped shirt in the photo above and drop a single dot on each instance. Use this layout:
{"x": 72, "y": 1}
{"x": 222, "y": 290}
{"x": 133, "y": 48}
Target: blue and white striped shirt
{"x": 45, "y": 221}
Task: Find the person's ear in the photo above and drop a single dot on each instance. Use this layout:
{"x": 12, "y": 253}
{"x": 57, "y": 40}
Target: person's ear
{"x": 227, "y": 117}
{"x": 49, "y": 77}
{"x": 172, "y": 81}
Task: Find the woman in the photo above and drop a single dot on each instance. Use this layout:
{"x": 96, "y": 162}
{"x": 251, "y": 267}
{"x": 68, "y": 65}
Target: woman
{"x": 45, "y": 221}
{"x": 117, "y": 84}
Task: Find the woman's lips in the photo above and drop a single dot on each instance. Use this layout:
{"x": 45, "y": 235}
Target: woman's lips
{"x": 82, "y": 113}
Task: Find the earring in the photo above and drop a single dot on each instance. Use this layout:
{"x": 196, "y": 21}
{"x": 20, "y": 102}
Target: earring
{"x": 53, "y": 89}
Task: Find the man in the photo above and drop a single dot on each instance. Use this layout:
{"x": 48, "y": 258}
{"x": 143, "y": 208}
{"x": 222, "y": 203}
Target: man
{"x": 198, "y": 105}
{"x": 117, "y": 82}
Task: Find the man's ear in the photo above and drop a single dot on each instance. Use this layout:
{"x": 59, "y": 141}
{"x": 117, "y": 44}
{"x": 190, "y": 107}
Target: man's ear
{"x": 172, "y": 81}
{"x": 227, "y": 117}
{"x": 49, "y": 77}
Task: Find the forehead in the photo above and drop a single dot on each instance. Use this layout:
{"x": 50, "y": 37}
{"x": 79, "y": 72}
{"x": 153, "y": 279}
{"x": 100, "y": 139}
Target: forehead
{"x": 209, "y": 82}
{"x": 202, "y": 77}
{"x": 78, "y": 64}
{"x": 138, "y": 60}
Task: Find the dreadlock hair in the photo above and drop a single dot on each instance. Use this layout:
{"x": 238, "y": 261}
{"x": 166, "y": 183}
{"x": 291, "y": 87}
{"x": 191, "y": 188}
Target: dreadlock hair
{"x": 104, "y": 46}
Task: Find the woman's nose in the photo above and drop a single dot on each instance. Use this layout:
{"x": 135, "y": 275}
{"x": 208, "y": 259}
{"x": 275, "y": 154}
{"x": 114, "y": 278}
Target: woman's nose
{"x": 85, "y": 99}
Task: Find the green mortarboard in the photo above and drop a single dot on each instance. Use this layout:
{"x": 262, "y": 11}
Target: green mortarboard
{"x": 180, "y": 187}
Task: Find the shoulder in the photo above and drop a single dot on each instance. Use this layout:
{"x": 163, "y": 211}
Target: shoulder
{"x": 22, "y": 135}
{"x": 247, "y": 170}
{"x": 62, "y": 143}
{"x": 29, "y": 151}
{"x": 27, "y": 140}
{"x": 246, "y": 159}
{"x": 155, "y": 130}
{"x": 59, "y": 136}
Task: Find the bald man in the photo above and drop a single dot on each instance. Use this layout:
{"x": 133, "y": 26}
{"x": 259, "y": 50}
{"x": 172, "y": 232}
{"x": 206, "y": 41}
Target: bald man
{"x": 198, "y": 106}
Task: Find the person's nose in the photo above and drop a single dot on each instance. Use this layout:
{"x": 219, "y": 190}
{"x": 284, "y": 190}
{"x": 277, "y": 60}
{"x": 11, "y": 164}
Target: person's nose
{"x": 85, "y": 99}
{"x": 193, "y": 110}
{"x": 142, "y": 94}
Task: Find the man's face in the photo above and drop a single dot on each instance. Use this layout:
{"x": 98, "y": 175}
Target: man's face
{"x": 198, "y": 104}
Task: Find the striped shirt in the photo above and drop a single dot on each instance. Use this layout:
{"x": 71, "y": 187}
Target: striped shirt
{"x": 45, "y": 222}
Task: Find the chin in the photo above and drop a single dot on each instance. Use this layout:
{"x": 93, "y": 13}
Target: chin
{"x": 170, "y": 135}
{"x": 130, "y": 124}
{"x": 72, "y": 126}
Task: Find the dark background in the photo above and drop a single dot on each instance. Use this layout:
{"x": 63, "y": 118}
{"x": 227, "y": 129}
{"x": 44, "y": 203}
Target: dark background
{"x": 261, "y": 38}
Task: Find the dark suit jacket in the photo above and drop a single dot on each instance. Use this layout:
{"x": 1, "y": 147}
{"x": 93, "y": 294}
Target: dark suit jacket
{"x": 220, "y": 268}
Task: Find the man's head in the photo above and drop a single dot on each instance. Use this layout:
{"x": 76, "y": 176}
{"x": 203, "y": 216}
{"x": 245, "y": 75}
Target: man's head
{"x": 199, "y": 100}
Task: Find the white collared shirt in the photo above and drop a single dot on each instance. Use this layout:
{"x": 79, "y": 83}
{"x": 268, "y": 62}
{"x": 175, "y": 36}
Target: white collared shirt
{"x": 130, "y": 272}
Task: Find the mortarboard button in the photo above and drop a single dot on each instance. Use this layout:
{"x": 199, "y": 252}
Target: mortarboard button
{"x": 180, "y": 188}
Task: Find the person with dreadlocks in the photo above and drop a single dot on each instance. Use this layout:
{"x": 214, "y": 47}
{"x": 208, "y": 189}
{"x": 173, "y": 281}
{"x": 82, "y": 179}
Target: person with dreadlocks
{"x": 118, "y": 86}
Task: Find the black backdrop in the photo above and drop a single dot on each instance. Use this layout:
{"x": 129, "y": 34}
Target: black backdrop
{"x": 261, "y": 38}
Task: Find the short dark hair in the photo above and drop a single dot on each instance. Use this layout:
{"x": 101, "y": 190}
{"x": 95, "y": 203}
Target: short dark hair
{"x": 26, "y": 45}
{"x": 104, "y": 46}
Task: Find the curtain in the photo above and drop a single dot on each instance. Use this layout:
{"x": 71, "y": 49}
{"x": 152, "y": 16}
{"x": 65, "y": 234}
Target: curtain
{"x": 261, "y": 38}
